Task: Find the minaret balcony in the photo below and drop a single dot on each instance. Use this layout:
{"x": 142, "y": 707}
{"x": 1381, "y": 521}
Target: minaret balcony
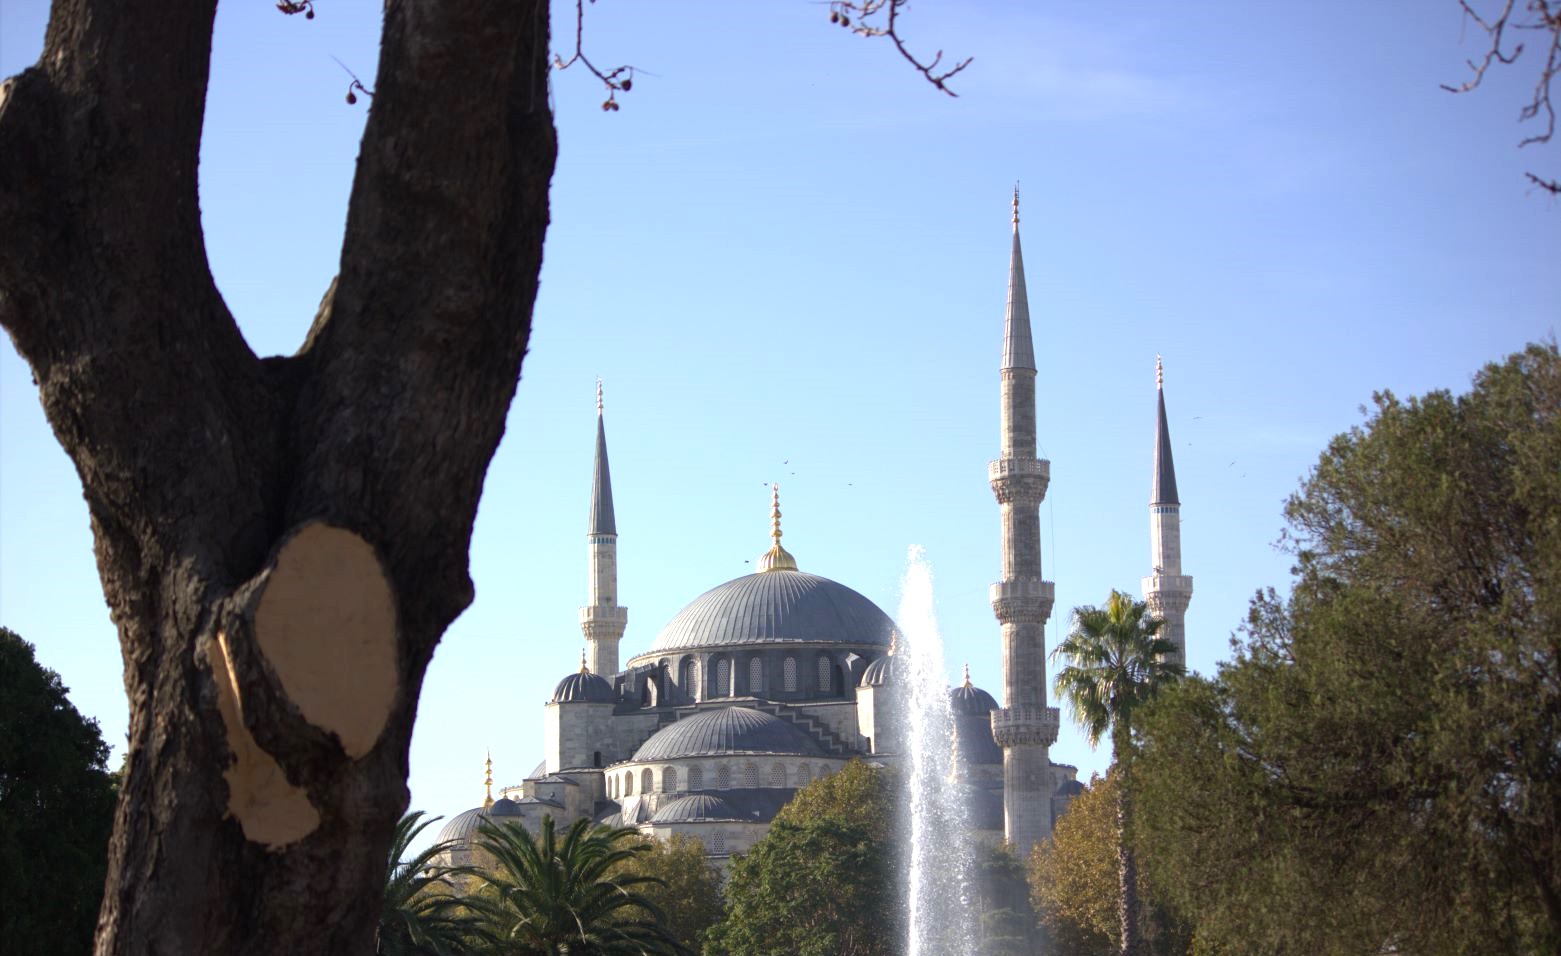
{"x": 1025, "y": 726}
{"x": 1168, "y": 584}
{"x": 1023, "y": 600}
{"x": 1019, "y": 480}
{"x": 604, "y": 614}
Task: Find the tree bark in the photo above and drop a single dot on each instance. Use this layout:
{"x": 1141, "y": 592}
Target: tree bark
{"x": 1128, "y": 904}
{"x": 235, "y": 500}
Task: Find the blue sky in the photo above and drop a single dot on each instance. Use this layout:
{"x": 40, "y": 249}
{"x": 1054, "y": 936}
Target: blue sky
{"x": 786, "y": 256}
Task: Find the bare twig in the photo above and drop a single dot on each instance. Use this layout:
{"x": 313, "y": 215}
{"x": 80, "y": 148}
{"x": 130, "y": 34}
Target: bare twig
{"x": 355, "y": 87}
{"x": 1538, "y": 16}
{"x": 862, "y": 18}
{"x": 619, "y": 79}
{"x": 290, "y": 7}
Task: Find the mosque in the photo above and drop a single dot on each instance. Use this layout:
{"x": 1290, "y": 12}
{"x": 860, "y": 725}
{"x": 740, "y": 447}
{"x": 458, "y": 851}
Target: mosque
{"x": 772, "y": 680}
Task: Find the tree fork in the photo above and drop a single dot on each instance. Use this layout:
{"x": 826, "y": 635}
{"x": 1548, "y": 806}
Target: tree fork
{"x": 230, "y": 496}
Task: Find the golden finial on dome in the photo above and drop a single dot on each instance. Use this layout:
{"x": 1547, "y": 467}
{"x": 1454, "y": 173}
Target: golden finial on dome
{"x": 487, "y": 783}
{"x": 777, "y": 558}
{"x": 967, "y": 675}
{"x": 583, "y": 669}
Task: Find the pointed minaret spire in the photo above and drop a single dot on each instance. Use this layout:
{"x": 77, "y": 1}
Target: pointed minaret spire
{"x": 602, "y": 620}
{"x": 1018, "y": 352}
{"x": 777, "y": 558}
{"x": 1163, "y": 491}
{"x": 487, "y": 782}
{"x": 1167, "y": 590}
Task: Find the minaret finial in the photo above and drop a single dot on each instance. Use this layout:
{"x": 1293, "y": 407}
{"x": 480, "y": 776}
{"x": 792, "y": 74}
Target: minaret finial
{"x": 583, "y": 668}
{"x": 1159, "y": 372}
{"x": 776, "y": 559}
{"x": 487, "y": 783}
{"x": 1016, "y": 202}
{"x": 598, "y": 395}
{"x": 967, "y": 674}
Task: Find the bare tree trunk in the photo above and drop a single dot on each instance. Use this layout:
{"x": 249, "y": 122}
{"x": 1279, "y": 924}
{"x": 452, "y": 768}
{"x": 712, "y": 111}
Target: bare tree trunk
{"x": 281, "y": 541}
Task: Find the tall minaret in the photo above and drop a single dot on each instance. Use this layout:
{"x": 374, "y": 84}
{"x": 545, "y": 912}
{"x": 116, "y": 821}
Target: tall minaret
{"x": 1025, "y": 727}
{"x": 602, "y": 619}
{"x": 1166, "y": 589}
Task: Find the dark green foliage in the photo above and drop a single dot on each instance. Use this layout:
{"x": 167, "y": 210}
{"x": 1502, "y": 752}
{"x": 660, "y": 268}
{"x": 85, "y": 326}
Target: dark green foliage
{"x": 549, "y": 897}
{"x": 689, "y": 894}
{"x": 820, "y": 888}
{"x": 858, "y": 794}
{"x": 56, "y": 810}
{"x": 421, "y": 913}
{"x": 1008, "y": 924}
{"x": 1379, "y": 768}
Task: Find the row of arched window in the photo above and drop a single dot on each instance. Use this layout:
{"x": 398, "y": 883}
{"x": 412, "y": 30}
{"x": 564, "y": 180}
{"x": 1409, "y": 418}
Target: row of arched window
{"x": 688, "y": 677}
{"x": 750, "y": 775}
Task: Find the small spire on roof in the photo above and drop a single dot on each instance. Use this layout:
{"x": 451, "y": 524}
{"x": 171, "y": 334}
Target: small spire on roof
{"x": 967, "y": 674}
{"x": 777, "y": 558}
{"x": 487, "y": 783}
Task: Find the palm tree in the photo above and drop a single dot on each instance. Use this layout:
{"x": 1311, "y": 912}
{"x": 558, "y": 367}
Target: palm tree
{"x": 546, "y": 897}
{"x": 421, "y": 915}
{"x": 1113, "y": 661}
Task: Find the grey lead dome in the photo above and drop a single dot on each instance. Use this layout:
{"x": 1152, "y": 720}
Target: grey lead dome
{"x": 727, "y": 731}
{"x": 776, "y": 607}
{"x": 583, "y": 687}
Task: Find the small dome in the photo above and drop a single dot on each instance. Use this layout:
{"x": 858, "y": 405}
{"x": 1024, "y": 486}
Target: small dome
{"x": 971, "y": 701}
{"x": 728, "y": 730}
{"x": 880, "y": 672}
{"x": 775, "y": 607}
{"x": 583, "y": 687}
{"x": 503, "y": 807}
{"x": 976, "y": 745}
{"x": 462, "y": 828}
{"x": 696, "y": 807}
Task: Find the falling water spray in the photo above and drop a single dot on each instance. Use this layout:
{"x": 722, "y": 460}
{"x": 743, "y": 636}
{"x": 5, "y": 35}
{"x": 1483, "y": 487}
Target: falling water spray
{"x": 939, "y": 849}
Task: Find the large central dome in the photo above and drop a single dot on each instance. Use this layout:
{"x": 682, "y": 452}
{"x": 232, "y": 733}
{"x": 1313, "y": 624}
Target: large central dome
{"x": 776, "y": 607}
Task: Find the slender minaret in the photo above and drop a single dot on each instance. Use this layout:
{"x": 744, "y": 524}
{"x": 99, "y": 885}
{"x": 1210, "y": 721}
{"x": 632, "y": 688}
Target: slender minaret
{"x": 602, "y": 620}
{"x": 1025, "y": 727}
{"x": 1166, "y": 589}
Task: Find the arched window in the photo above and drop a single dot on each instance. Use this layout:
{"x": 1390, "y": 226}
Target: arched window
{"x": 778, "y": 775}
{"x": 628, "y": 783}
{"x": 723, "y": 677}
{"x": 804, "y": 775}
{"x": 826, "y": 675}
{"x": 751, "y": 775}
{"x": 723, "y": 778}
{"x": 789, "y": 675}
{"x": 596, "y": 759}
{"x": 647, "y": 782}
{"x": 696, "y": 778}
{"x": 690, "y": 682}
{"x": 718, "y": 842}
{"x": 755, "y": 676}
{"x": 669, "y": 779}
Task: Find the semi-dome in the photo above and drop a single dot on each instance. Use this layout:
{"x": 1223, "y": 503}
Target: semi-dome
{"x": 724, "y": 731}
{"x": 776, "y": 607}
{"x": 696, "y": 807}
{"x": 583, "y": 687}
{"x": 884, "y": 670}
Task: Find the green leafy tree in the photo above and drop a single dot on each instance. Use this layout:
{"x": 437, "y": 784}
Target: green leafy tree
{"x": 857, "y": 794}
{"x": 824, "y": 887}
{"x": 1379, "y": 767}
{"x": 549, "y": 897}
{"x": 689, "y": 894}
{"x": 421, "y": 913}
{"x": 1113, "y": 661}
{"x": 56, "y": 809}
{"x": 1007, "y": 920}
